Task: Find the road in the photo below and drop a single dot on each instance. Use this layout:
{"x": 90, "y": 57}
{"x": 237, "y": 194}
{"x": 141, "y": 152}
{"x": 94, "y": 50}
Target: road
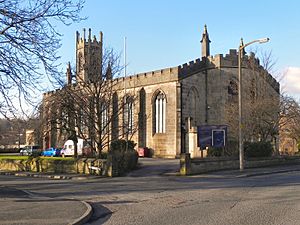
{"x": 149, "y": 196}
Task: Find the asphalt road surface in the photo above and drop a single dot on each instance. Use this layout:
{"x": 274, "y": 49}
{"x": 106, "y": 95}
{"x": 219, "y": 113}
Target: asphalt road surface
{"x": 154, "y": 195}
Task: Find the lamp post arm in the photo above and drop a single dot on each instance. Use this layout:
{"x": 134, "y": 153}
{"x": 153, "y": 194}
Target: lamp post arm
{"x": 262, "y": 40}
{"x": 249, "y": 43}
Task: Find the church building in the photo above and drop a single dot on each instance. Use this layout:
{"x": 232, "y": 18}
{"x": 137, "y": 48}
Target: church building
{"x": 172, "y": 102}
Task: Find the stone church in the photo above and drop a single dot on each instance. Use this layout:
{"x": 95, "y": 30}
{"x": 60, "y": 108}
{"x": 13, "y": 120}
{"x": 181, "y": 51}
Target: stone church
{"x": 172, "y": 102}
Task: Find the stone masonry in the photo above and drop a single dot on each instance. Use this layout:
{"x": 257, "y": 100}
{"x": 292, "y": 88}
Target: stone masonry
{"x": 196, "y": 93}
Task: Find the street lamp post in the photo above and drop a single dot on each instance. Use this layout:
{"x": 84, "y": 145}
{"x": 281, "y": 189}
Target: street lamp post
{"x": 241, "y": 49}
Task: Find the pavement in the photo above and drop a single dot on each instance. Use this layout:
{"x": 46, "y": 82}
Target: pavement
{"x": 22, "y": 208}
{"x": 251, "y": 172}
{"x": 50, "y": 175}
{"x": 77, "y": 212}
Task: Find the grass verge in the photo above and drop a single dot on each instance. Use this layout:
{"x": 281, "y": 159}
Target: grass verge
{"x": 19, "y": 157}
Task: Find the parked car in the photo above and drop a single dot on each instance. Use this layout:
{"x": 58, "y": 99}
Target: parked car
{"x": 30, "y": 150}
{"x": 51, "y": 152}
{"x": 68, "y": 149}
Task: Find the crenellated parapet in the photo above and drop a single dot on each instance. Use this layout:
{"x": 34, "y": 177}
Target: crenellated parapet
{"x": 48, "y": 95}
{"x": 149, "y": 78}
{"x": 210, "y": 62}
{"x": 60, "y": 91}
{"x": 231, "y": 60}
{"x": 81, "y": 40}
{"x": 218, "y": 61}
{"x": 193, "y": 67}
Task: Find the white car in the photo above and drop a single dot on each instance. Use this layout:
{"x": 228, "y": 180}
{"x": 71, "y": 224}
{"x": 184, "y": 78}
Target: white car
{"x": 68, "y": 149}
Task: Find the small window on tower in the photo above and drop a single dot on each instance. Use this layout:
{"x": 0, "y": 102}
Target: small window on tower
{"x": 80, "y": 61}
{"x": 233, "y": 88}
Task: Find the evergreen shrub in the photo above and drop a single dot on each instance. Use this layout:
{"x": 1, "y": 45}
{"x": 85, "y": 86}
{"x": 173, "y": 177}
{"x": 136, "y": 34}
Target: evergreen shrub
{"x": 258, "y": 149}
{"x": 125, "y": 155}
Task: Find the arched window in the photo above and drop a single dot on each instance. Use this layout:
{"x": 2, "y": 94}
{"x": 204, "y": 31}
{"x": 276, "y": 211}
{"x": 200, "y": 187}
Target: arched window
{"x": 232, "y": 88}
{"x": 142, "y": 119}
{"x": 252, "y": 91}
{"x": 232, "y": 91}
{"x": 80, "y": 62}
{"x": 160, "y": 113}
{"x": 104, "y": 118}
{"x": 115, "y": 117}
{"x": 192, "y": 102}
{"x": 128, "y": 115}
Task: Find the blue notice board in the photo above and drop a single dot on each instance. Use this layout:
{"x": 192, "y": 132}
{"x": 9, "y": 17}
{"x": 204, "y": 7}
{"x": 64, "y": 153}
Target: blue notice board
{"x": 211, "y": 136}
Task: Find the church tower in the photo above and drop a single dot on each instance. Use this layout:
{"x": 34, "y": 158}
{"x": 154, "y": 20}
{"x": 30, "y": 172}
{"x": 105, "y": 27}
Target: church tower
{"x": 88, "y": 57}
{"x": 205, "y": 43}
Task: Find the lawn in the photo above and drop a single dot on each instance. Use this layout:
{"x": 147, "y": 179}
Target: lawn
{"x": 19, "y": 157}
{"x": 16, "y": 157}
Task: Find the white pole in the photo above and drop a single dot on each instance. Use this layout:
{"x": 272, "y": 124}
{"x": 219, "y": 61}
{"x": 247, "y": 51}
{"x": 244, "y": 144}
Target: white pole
{"x": 241, "y": 144}
{"x": 241, "y": 147}
{"x": 125, "y": 72}
{"x": 125, "y": 103}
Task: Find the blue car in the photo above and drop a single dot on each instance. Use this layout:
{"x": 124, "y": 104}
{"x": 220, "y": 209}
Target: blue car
{"x": 51, "y": 152}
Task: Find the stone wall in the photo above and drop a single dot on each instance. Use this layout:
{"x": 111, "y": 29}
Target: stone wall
{"x": 205, "y": 96}
{"x": 116, "y": 164}
{"x": 209, "y": 87}
{"x": 190, "y": 166}
{"x": 163, "y": 144}
{"x": 82, "y": 166}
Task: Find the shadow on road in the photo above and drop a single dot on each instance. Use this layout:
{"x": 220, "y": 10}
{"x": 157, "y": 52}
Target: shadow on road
{"x": 155, "y": 167}
{"x": 6, "y": 192}
{"x": 100, "y": 214}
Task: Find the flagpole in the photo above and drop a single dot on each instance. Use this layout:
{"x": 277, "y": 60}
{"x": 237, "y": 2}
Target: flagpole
{"x": 125, "y": 65}
{"x": 125, "y": 98}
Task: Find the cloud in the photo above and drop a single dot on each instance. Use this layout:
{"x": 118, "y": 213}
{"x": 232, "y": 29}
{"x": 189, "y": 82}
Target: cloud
{"x": 291, "y": 81}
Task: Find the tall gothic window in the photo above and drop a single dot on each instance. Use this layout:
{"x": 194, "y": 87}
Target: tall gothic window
{"x": 128, "y": 115}
{"x": 160, "y": 113}
{"x": 115, "y": 117}
{"x": 78, "y": 119}
{"x": 142, "y": 119}
{"x": 252, "y": 91}
{"x": 192, "y": 104}
{"x": 233, "y": 88}
{"x": 104, "y": 118}
{"x": 232, "y": 91}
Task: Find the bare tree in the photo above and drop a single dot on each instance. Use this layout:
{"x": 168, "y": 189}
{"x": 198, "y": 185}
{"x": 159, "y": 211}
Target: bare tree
{"x": 98, "y": 110}
{"x": 56, "y": 116}
{"x": 290, "y": 117}
{"x": 29, "y": 41}
{"x": 262, "y": 119}
{"x": 12, "y": 131}
{"x": 266, "y": 118}
{"x": 261, "y": 104}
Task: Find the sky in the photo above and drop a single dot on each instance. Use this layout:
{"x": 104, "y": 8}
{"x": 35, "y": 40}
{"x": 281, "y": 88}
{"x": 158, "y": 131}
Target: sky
{"x": 167, "y": 33}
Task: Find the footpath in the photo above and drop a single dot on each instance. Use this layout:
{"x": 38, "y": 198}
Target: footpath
{"x": 20, "y": 207}
{"x": 252, "y": 172}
